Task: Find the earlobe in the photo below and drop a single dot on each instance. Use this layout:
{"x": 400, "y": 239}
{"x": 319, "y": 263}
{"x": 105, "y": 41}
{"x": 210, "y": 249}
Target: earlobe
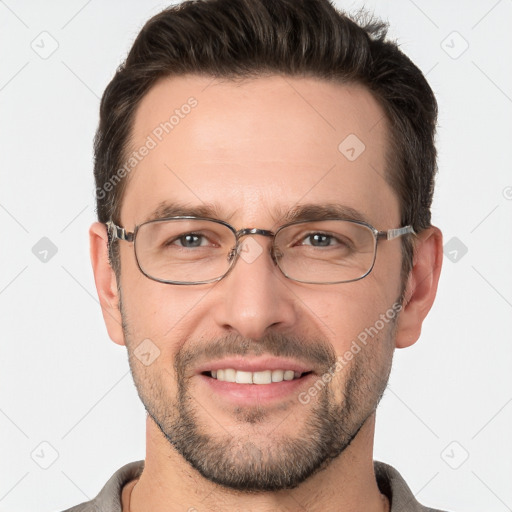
{"x": 421, "y": 286}
{"x": 106, "y": 282}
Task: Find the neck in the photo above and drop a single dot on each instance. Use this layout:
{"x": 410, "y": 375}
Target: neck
{"x": 168, "y": 483}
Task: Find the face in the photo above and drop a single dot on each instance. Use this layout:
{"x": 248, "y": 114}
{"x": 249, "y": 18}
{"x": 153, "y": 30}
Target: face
{"x": 250, "y": 153}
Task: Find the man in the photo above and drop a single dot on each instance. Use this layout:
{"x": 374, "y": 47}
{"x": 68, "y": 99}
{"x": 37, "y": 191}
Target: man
{"x": 264, "y": 176}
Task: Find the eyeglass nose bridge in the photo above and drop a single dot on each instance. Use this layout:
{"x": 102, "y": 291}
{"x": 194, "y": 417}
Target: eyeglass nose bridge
{"x": 253, "y": 231}
{"x": 246, "y": 232}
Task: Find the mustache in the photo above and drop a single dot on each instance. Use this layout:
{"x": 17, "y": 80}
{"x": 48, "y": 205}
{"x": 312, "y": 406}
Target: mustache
{"x": 317, "y": 352}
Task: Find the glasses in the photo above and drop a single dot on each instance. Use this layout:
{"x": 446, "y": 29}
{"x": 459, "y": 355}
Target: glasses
{"x": 195, "y": 250}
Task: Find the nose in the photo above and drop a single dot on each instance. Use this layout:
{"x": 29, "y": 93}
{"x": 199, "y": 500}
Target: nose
{"x": 255, "y": 296}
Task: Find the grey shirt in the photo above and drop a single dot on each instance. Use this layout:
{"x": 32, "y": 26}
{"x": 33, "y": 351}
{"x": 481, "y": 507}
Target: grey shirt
{"x": 389, "y": 480}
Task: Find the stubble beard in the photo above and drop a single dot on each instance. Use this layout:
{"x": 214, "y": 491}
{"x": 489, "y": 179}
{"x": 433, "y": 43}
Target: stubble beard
{"x": 280, "y": 460}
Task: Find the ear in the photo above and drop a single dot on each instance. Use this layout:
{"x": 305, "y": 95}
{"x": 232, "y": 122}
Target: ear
{"x": 106, "y": 283}
{"x": 421, "y": 286}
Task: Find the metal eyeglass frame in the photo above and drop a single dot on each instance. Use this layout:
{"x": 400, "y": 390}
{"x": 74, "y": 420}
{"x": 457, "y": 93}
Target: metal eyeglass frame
{"x": 119, "y": 233}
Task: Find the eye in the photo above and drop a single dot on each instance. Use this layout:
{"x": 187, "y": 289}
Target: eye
{"x": 321, "y": 240}
{"x": 189, "y": 240}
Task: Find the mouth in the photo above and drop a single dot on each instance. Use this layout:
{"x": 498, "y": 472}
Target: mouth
{"x": 263, "y": 377}
{"x": 263, "y": 380}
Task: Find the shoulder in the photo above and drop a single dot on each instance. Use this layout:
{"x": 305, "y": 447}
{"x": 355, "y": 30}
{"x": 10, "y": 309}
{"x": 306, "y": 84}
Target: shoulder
{"x": 109, "y": 498}
{"x": 392, "y": 484}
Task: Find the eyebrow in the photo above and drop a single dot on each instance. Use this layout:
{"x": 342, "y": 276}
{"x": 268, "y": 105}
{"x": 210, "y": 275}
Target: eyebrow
{"x": 301, "y": 212}
{"x": 175, "y": 209}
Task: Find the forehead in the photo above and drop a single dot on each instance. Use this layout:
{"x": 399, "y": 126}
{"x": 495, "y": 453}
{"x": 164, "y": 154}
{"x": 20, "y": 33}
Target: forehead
{"x": 253, "y": 149}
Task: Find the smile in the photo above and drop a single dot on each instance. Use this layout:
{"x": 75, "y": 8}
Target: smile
{"x": 259, "y": 377}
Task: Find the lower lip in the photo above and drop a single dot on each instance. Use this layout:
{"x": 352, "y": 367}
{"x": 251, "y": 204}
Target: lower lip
{"x": 245, "y": 394}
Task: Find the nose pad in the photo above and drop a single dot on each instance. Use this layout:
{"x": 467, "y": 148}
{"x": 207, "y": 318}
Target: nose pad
{"x": 276, "y": 254}
{"x": 233, "y": 254}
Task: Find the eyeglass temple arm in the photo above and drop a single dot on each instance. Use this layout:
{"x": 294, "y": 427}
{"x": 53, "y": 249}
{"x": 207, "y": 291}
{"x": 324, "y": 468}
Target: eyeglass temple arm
{"x": 390, "y": 234}
{"x": 119, "y": 233}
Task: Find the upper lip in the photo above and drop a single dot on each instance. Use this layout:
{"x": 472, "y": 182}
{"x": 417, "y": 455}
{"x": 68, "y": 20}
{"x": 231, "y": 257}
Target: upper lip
{"x": 258, "y": 364}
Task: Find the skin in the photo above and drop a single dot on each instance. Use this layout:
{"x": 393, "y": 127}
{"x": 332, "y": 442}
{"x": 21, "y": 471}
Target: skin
{"x": 256, "y": 149}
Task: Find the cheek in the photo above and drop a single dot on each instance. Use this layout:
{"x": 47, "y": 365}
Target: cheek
{"x": 156, "y": 313}
{"x": 154, "y": 310}
{"x": 343, "y": 312}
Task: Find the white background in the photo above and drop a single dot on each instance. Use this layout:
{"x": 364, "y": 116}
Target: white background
{"x": 63, "y": 382}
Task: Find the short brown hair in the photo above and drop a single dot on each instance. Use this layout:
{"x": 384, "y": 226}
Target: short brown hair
{"x": 251, "y": 38}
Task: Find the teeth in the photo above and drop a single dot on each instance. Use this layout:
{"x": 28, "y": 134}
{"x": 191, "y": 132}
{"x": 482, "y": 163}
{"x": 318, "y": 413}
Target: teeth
{"x": 230, "y": 375}
{"x": 288, "y": 375}
{"x": 243, "y": 377}
{"x": 263, "y": 377}
{"x": 277, "y": 375}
